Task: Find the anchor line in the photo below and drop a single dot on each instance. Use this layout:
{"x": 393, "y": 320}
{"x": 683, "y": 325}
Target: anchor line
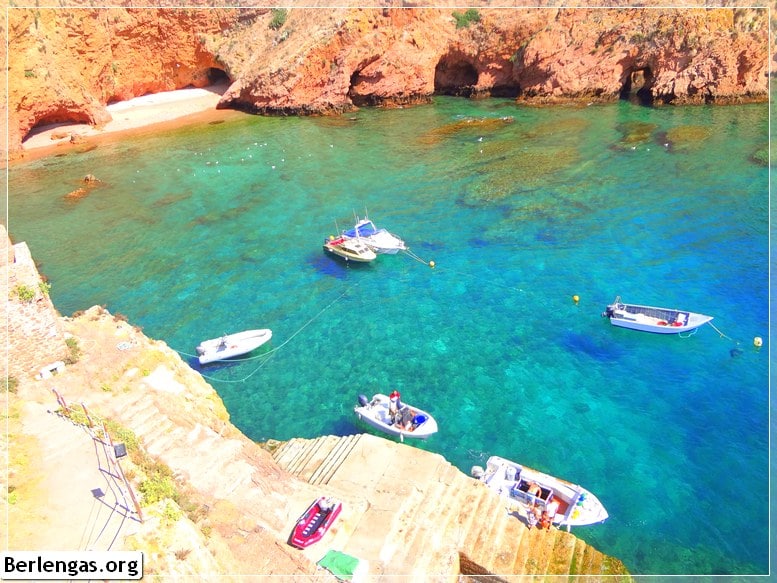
{"x": 412, "y": 255}
{"x": 721, "y": 333}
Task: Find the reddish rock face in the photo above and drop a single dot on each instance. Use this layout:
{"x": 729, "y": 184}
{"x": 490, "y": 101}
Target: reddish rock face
{"x": 66, "y": 65}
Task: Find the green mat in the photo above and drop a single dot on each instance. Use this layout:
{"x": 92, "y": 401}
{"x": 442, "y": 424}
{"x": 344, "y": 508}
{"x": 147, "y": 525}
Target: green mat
{"x": 339, "y": 564}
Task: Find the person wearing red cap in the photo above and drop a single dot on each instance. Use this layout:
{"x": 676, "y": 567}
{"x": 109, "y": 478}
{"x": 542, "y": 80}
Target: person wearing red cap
{"x": 393, "y": 404}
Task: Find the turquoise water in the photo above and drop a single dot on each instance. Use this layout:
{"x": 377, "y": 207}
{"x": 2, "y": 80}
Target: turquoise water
{"x": 219, "y": 228}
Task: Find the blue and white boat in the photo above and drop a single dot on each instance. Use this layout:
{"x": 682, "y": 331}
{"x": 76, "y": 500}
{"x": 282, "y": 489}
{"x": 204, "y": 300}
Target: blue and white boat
{"x": 379, "y": 240}
{"x": 653, "y": 319}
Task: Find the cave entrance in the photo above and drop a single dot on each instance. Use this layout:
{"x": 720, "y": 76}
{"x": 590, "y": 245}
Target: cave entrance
{"x": 636, "y": 86}
{"x": 454, "y": 75}
{"x": 216, "y": 76}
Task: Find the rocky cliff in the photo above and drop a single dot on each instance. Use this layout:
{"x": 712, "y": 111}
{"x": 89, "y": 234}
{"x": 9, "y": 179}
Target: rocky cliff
{"x": 214, "y": 503}
{"x": 67, "y": 64}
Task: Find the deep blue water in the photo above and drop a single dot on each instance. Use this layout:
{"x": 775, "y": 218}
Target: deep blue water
{"x": 219, "y": 228}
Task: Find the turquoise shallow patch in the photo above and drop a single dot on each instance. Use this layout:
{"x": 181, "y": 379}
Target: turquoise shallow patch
{"x": 217, "y": 229}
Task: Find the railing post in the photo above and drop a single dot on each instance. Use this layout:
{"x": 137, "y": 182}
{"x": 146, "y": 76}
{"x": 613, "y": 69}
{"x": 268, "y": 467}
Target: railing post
{"x": 115, "y": 462}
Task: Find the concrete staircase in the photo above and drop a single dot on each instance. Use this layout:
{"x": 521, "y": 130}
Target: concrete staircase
{"x": 415, "y": 511}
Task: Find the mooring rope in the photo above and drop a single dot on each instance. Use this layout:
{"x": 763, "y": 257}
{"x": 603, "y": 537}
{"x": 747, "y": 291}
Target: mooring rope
{"x": 268, "y": 355}
{"x": 721, "y": 333}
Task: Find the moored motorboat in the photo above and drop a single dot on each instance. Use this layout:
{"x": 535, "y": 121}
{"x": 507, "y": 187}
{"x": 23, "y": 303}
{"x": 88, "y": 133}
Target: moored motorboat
{"x": 567, "y": 504}
{"x": 653, "y": 319}
{"x": 406, "y": 421}
{"x": 313, "y": 525}
{"x": 231, "y": 345}
{"x": 379, "y": 240}
{"x": 349, "y": 249}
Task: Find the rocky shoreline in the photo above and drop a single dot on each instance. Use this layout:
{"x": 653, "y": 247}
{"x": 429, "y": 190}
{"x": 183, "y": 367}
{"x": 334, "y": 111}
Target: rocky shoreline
{"x": 69, "y": 64}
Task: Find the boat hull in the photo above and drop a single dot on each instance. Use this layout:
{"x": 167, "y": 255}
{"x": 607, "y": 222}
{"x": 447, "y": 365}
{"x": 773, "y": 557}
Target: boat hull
{"x": 379, "y": 240}
{"x": 350, "y": 250}
{"x": 315, "y": 523}
{"x": 232, "y": 345}
{"x": 375, "y": 413}
{"x": 577, "y": 506}
{"x": 653, "y": 319}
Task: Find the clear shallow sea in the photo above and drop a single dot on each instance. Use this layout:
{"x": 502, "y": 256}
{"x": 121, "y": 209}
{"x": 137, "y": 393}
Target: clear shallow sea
{"x": 219, "y": 228}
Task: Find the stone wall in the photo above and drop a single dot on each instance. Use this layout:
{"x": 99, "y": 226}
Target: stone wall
{"x": 34, "y": 335}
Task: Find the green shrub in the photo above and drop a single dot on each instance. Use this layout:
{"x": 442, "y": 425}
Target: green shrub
{"x": 45, "y": 288}
{"x": 158, "y": 485}
{"x": 464, "y": 20}
{"x": 75, "y": 351}
{"x": 278, "y": 18}
{"x": 25, "y": 293}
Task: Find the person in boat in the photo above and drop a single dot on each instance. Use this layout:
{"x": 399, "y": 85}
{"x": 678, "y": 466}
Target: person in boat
{"x": 532, "y": 516}
{"x": 534, "y": 489}
{"x": 552, "y": 509}
{"x": 545, "y": 520}
{"x": 406, "y": 419}
{"x": 394, "y": 405}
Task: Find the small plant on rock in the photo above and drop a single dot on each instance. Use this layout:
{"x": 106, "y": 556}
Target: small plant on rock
{"x": 75, "y": 351}
{"x": 467, "y": 18}
{"x": 25, "y": 293}
{"x": 278, "y": 18}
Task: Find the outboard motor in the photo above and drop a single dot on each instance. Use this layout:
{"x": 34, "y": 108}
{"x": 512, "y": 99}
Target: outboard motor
{"x": 363, "y": 401}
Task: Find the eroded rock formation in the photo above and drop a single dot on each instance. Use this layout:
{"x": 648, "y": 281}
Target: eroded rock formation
{"x": 66, "y": 65}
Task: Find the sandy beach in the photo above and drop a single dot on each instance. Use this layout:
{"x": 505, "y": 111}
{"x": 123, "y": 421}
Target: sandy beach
{"x": 161, "y": 110}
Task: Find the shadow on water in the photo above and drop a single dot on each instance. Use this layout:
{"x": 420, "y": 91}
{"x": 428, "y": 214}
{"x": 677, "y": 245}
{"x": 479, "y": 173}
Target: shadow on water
{"x": 334, "y": 266}
{"x": 595, "y": 348}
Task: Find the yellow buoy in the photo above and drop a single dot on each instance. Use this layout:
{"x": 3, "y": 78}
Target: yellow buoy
{"x": 576, "y": 298}
{"x": 431, "y": 264}
{"x": 758, "y": 342}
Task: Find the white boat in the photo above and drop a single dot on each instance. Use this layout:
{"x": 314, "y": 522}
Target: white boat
{"x": 349, "y": 249}
{"x": 410, "y": 421}
{"x": 379, "y": 240}
{"x": 653, "y": 319}
{"x": 231, "y": 345}
{"x": 568, "y": 504}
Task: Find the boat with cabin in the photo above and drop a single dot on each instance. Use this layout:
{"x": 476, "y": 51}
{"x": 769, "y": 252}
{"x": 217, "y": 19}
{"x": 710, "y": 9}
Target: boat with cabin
{"x": 567, "y": 504}
{"x": 232, "y": 345}
{"x": 379, "y": 240}
{"x": 349, "y": 249}
{"x": 653, "y": 319}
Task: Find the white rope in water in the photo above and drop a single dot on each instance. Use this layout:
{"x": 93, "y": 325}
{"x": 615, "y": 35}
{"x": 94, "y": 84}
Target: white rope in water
{"x": 268, "y": 355}
{"x": 412, "y": 255}
{"x": 719, "y": 332}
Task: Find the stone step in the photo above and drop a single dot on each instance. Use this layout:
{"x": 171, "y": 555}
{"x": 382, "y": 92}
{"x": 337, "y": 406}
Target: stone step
{"x": 286, "y": 453}
{"x": 141, "y": 412}
{"x": 318, "y": 453}
{"x": 329, "y": 467}
{"x": 162, "y": 441}
{"x": 563, "y": 553}
{"x": 301, "y": 454}
{"x": 488, "y": 504}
